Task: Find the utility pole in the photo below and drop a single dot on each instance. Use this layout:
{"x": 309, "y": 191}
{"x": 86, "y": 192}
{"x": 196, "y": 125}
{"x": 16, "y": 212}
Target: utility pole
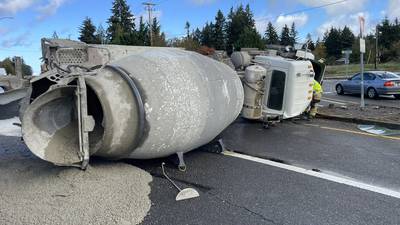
{"x": 149, "y": 8}
{"x": 362, "y": 51}
{"x": 18, "y": 67}
{"x": 377, "y": 32}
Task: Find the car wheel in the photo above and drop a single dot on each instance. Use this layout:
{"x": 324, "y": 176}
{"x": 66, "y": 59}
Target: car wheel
{"x": 339, "y": 89}
{"x": 371, "y": 92}
{"x": 397, "y": 96}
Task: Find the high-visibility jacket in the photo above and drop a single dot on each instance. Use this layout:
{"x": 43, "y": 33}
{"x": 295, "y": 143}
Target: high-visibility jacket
{"x": 317, "y": 88}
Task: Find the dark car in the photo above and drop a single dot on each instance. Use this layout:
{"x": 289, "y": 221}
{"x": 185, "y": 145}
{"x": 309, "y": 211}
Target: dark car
{"x": 375, "y": 83}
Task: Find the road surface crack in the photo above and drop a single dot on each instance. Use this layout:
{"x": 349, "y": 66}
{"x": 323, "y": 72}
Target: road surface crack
{"x": 246, "y": 209}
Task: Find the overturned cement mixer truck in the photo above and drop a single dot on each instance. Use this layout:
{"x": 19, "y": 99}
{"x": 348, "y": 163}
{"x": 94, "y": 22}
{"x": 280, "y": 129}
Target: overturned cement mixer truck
{"x": 125, "y": 102}
{"x": 276, "y": 87}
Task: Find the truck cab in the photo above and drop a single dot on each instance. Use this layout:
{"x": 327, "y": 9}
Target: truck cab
{"x": 277, "y": 88}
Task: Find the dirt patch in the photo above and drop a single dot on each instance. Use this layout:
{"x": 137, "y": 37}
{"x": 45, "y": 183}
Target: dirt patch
{"x": 374, "y": 113}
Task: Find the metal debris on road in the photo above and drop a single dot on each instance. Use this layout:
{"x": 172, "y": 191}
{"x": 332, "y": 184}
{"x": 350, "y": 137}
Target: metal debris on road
{"x": 184, "y": 194}
{"x": 373, "y": 129}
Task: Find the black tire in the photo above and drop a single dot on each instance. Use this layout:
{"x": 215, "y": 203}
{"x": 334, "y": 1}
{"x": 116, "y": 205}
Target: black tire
{"x": 397, "y": 96}
{"x": 339, "y": 89}
{"x": 372, "y": 93}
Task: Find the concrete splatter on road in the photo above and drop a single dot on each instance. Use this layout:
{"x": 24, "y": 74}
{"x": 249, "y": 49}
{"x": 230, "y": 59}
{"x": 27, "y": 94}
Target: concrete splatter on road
{"x": 36, "y": 192}
{"x": 7, "y": 127}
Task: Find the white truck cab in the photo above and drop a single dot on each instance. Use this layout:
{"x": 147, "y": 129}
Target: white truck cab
{"x": 277, "y": 88}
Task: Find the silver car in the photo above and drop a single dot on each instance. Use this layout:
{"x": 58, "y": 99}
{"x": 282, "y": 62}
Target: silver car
{"x": 376, "y": 83}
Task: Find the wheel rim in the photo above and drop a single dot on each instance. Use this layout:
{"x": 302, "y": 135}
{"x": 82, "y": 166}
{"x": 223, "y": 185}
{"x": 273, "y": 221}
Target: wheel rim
{"x": 371, "y": 93}
{"x": 339, "y": 89}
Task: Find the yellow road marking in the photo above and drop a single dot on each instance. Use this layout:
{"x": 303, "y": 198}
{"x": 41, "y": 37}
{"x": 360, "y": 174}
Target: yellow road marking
{"x": 355, "y": 132}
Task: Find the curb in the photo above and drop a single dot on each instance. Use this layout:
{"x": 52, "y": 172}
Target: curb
{"x": 359, "y": 121}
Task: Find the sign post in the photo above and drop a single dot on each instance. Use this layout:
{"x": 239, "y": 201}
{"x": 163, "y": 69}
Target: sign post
{"x": 362, "y": 51}
{"x": 347, "y": 54}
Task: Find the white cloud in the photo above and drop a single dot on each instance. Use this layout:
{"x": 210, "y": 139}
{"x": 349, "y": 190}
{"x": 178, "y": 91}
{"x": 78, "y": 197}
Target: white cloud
{"x": 202, "y": 2}
{"x": 49, "y": 9}
{"x": 20, "y": 40}
{"x": 8, "y": 7}
{"x": 393, "y": 10}
{"x": 340, "y": 8}
{"x": 299, "y": 19}
{"x": 350, "y": 20}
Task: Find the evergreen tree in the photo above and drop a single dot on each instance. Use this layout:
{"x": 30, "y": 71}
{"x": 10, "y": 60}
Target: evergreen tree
{"x": 219, "y": 34}
{"x": 241, "y": 23}
{"x": 347, "y": 38}
{"x": 143, "y": 38}
{"x": 101, "y": 35}
{"x": 293, "y": 34}
{"x": 158, "y": 36}
{"x": 87, "y": 32}
{"x": 310, "y": 45}
{"x": 187, "y": 28}
{"x": 197, "y": 36}
{"x": 285, "y": 38}
{"x": 207, "y": 35}
{"x": 55, "y": 35}
{"x": 333, "y": 43}
{"x": 121, "y": 24}
{"x": 271, "y": 36}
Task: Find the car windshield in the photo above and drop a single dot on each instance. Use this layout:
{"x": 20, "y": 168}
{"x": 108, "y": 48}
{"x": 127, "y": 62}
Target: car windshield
{"x": 388, "y": 75}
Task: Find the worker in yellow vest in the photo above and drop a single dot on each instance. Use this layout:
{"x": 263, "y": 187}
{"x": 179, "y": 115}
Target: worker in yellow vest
{"x": 317, "y": 95}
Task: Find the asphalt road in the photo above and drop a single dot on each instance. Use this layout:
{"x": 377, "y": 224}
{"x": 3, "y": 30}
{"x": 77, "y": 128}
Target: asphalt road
{"x": 330, "y": 96}
{"x": 238, "y": 191}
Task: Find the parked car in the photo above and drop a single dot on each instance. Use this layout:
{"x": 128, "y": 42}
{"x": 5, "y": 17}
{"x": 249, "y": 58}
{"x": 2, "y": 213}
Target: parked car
{"x": 375, "y": 83}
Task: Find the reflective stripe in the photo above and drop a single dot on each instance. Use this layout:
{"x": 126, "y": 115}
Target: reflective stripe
{"x": 317, "y": 87}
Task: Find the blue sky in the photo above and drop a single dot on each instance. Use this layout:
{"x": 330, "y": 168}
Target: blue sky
{"x": 34, "y": 19}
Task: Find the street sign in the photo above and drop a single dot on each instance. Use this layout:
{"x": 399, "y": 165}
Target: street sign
{"x": 362, "y": 45}
{"x": 347, "y": 54}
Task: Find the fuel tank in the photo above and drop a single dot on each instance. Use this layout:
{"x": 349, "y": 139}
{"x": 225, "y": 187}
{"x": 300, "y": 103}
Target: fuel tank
{"x": 147, "y": 104}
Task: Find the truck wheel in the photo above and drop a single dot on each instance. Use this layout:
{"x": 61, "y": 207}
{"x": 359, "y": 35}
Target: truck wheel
{"x": 339, "y": 89}
{"x": 397, "y": 96}
{"x": 372, "y": 94}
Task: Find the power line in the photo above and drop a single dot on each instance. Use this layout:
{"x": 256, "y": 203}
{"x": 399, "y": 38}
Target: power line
{"x": 316, "y": 7}
{"x": 304, "y": 10}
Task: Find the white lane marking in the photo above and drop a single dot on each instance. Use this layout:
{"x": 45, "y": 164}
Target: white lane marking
{"x": 340, "y": 100}
{"x": 339, "y": 103}
{"x": 329, "y": 92}
{"x": 336, "y": 179}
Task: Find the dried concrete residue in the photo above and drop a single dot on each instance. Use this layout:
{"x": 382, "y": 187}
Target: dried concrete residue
{"x": 35, "y": 192}
{"x": 7, "y": 127}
